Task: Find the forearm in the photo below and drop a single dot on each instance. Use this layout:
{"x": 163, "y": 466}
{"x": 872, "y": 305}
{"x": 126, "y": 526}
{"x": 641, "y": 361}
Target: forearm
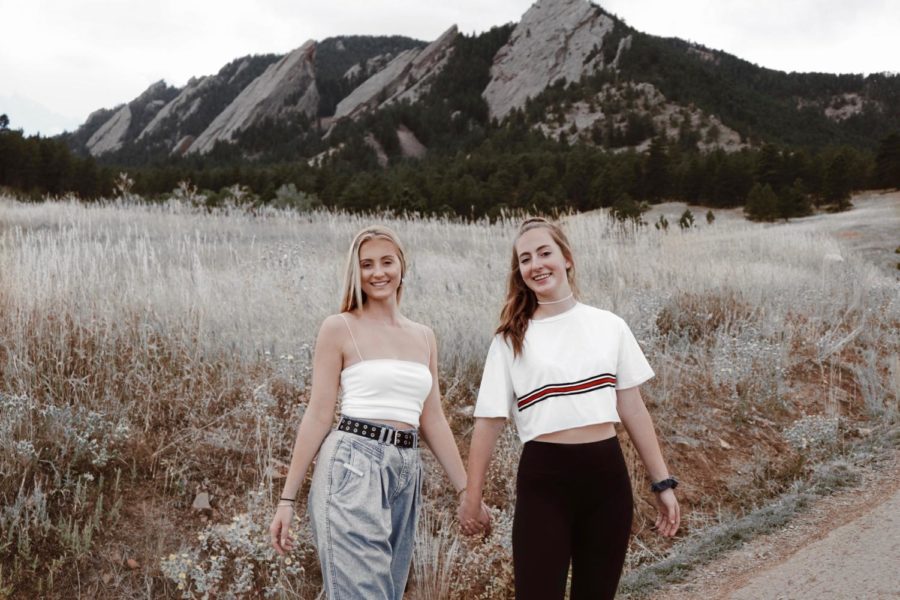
{"x": 639, "y": 425}
{"x": 312, "y": 430}
{"x": 484, "y": 438}
{"x": 436, "y": 433}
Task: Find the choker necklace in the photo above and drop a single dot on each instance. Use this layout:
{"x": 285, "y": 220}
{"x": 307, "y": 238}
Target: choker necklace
{"x": 557, "y": 301}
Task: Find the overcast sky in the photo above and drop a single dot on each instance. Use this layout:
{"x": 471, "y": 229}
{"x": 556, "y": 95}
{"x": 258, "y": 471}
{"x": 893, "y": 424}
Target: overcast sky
{"x": 62, "y": 59}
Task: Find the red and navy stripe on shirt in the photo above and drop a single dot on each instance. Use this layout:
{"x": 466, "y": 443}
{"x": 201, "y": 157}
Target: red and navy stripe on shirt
{"x": 551, "y": 390}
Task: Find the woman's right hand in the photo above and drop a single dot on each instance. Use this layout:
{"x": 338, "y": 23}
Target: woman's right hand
{"x": 280, "y": 529}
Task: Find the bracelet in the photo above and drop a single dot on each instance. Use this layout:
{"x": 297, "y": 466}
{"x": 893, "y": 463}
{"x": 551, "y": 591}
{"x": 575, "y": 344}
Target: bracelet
{"x": 291, "y": 500}
{"x": 280, "y": 504}
{"x": 669, "y": 483}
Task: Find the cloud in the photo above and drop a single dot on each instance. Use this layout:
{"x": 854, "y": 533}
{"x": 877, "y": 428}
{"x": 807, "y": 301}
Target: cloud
{"x": 832, "y": 36}
{"x": 38, "y": 117}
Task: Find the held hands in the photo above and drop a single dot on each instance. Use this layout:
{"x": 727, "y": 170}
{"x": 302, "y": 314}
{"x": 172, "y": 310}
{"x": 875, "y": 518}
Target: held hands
{"x": 473, "y": 515}
{"x": 669, "y": 513}
{"x": 280, "y": 529}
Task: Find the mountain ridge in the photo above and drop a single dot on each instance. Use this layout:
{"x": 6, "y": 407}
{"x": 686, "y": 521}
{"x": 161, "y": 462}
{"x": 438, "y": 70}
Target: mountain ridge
{"x": 598, "y": 59}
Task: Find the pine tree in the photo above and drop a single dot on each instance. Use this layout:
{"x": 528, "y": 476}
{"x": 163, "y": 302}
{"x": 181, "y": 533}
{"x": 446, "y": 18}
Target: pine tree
{"x": 768, "y": 166}
{"x": 887, "y": 162}
{"x": 762, "y": 203}
{"x": 656, "y": 169}
{"x": 794, "y": 201}
{"x": 836, "y": 184}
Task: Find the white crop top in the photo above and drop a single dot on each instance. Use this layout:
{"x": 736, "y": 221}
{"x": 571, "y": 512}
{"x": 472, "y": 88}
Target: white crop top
{"x": 567, "y": 374}
{"x": 384, "y": 388}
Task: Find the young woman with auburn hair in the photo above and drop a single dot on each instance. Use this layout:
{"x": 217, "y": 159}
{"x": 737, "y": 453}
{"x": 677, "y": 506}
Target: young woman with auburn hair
{"x": 366, "y": 486}
{"x": 566, "y": 372}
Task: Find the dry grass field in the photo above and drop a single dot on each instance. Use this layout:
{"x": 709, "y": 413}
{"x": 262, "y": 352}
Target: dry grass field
{"x": 149, "y": 353}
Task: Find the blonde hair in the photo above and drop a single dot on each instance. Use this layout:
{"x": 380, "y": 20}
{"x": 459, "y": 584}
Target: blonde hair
{"x": 353, "y": 296}
{"x": 520, "y": 300}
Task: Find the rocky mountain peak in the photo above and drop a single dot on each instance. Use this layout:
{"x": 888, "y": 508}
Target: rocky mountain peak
{"x": 556, "y": 39}
{"x": 114, "y": 131}
{"x": 404, "y": 77}
{"x": 152, "y": 92}
{"x": 182, "y": 106}
{"x": 111, "y": 134}
{"x": 287, "y": 86}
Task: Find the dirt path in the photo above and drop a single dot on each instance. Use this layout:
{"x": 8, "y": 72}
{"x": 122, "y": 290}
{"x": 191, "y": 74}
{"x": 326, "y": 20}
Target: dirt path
{"x": 845, "y": 546}
{"x": 859, "y": 560}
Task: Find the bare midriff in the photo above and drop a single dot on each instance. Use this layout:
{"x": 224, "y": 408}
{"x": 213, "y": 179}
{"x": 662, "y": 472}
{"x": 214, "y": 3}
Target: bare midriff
{"x": 580, "y": 435}
{"x": 395, "y": 424}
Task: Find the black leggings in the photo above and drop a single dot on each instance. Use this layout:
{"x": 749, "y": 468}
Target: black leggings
{"x": 573, "y": 502}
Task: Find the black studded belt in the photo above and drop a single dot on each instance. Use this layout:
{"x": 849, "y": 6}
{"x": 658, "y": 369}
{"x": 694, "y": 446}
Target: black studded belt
{"x": 380, "y": 433}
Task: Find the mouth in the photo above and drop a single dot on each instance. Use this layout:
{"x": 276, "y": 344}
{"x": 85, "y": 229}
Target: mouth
{"x": 379, "y": 283}
{"x": 540, "y": 277}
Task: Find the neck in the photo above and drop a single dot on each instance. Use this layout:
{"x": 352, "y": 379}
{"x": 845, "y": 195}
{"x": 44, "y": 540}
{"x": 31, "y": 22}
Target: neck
{"x": 383, "y": 311}
{"x": 558, "y": 305}
{"x": 563, "y": 299}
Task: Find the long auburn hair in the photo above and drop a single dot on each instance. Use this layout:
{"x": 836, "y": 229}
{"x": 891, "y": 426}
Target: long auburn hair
{"x": 353, "y": 295}
{"x": 521, "y": 302}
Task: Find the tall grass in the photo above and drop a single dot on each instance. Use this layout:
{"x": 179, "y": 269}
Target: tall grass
{"x": 149, "y": 352}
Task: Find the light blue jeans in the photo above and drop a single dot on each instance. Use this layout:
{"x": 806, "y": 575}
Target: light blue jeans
{"x": 363, "y": 506}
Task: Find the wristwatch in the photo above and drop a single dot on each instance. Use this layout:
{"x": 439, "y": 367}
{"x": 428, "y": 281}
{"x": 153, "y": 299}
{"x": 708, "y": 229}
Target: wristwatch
{"x": 666, "y": 484}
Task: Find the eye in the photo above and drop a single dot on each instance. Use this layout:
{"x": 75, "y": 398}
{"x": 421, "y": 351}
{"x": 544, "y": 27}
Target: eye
{"x": 545, "y": 253}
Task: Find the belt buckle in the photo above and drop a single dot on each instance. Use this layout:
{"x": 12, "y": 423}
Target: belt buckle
{"x": 384, "y": 435}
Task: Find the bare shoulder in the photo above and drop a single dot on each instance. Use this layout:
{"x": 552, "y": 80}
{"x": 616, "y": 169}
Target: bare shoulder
{"x": 420, "y": 327}
{"x": 333, "y": 327}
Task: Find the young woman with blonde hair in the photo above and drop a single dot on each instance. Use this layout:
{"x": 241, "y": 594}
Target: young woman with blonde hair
{"x": 566, "y": 372}
{"x": 366, "y": 486}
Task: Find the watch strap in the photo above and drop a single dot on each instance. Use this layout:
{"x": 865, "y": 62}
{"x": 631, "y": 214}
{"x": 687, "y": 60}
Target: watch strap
{"x": 669, "y": 483}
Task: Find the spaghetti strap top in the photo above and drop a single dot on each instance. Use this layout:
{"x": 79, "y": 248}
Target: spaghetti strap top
{"x": 355, "y": 345}
{"x": 385, "y": 388}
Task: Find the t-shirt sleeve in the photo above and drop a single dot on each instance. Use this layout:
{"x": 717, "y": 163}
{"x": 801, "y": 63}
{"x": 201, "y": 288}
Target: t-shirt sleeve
{"x": 632, "y": 368}
{"x": 495, "y": 394}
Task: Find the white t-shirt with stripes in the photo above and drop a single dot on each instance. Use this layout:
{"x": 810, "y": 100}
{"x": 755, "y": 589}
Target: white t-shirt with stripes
{"x": 567, "y": 374}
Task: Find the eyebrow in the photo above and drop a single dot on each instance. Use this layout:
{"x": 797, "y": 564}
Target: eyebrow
{"x": 539, "y": 248}
{"x": 380, "y": 258}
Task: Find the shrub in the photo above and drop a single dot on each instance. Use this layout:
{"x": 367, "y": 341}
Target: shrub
{"x": 698, "y": 315}
{"x": 235, "y": 559}
{"x": 58, "y": 486}
{"x": 662, "y": 223}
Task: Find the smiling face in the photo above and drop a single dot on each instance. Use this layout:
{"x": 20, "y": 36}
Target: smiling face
{"x": 380, "y": 269}
{"x": 542, "y": 264}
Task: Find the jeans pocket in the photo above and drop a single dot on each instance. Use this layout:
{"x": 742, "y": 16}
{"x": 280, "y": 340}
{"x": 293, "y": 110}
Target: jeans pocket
{"x": 352, "y": 465}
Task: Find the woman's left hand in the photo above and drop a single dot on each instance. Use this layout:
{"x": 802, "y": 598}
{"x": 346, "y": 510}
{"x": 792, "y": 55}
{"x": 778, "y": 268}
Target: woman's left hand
{"x": 473, "y": 516}
{"x": 669, "y": 513}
